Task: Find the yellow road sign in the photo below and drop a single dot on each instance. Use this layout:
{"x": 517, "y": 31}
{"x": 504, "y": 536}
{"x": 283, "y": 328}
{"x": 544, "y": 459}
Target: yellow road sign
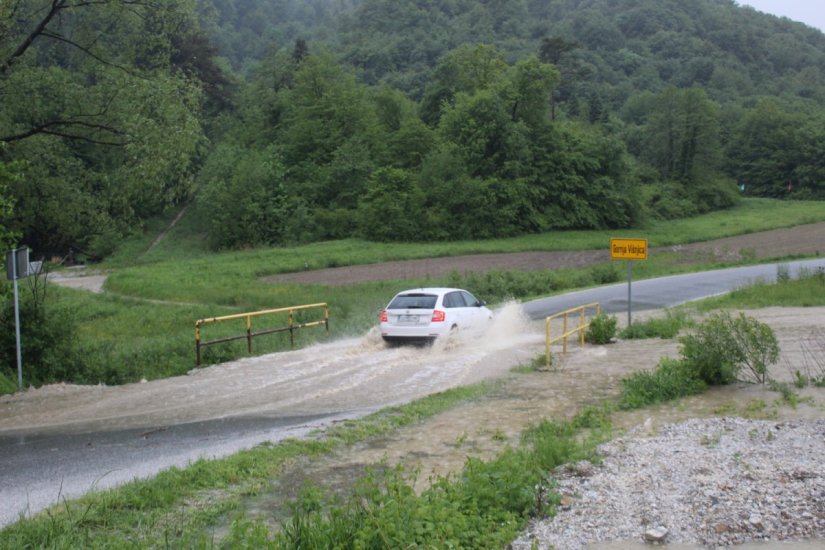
{"x": 628, "y": 249}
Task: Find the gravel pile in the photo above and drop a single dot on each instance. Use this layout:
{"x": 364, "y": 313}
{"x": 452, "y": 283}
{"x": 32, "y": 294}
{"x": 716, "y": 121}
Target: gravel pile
{"x": 706, "y": 482}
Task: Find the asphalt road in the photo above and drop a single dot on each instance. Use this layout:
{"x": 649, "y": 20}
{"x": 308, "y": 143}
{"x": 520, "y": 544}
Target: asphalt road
{"x": 666, "y": 291}
{"x": 37, "y": 470}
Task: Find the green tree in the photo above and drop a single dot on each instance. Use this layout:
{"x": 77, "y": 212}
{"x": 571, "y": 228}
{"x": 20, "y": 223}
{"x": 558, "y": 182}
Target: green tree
{"x": 764, "y": 149}
{"x": 809, "y": 174}
{"x": 683, "y": 136}
{"x": 9, "y": 173}
{"x": 331, "y": 133}
{"x": 244, "y": 198}
{"x": 467, "y": 70}
{"x": 107, "y": 124}
{"x": 391, "y": 207}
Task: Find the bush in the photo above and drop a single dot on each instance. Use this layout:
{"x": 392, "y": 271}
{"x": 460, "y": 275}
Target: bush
{"x": 7, "y": 383}
{"x": 605, "y": 273}
{"x": 667, "y": 327}
{"x": 723, "y": 346}
{"x": 47, "y": 333}
{"x": 671, "y": 379}
{"x": 602, "y": 329}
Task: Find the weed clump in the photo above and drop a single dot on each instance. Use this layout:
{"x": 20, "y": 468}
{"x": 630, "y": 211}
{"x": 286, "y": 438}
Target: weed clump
{"x": 722, "y": 350}
{"x": 485, "y": 506}
{"x": 667, "y": 327}
{"x": 602, "y": 329}
{"x": 671, "y": 379}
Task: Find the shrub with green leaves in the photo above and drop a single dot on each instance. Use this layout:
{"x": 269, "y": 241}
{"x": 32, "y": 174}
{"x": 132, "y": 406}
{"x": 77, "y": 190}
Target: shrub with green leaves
{"x": 725, "y": 349}
{"x": 602, "y": 329}
{"x": 671, "y": 379}
{"x": 47, "y": 333}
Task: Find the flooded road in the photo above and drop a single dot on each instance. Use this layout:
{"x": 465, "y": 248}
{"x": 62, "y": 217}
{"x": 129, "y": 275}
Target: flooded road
{"x": 60, "y": 441}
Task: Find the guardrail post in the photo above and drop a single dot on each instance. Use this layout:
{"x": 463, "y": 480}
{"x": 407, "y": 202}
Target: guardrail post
{"x": 291, "y": 335}
{"x": 547, "y": 342}
{"x": 580, "y": 329}
{"x": 564, "y": 333}
{"x": 197, "y": 344}
{"x": 249, "y": 334}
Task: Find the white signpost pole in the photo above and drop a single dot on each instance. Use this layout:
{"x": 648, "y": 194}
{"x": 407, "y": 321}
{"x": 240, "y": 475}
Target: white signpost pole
{"x": 17, "y": 330}
{"x": 17, "y": 266}
{"x": 629, "y": 285}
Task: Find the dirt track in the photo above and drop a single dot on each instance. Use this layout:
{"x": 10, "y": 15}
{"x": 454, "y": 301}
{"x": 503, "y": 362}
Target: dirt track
{"x": 804, "y": 239}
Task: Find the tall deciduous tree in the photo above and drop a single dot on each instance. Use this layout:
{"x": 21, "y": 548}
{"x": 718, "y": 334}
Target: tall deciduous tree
{"x": 683, "y": 136}
{"x": 95, "y": 104}
{"x": 764, "y": 149}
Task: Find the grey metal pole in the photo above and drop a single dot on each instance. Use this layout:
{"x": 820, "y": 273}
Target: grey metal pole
{"x": 17, "y": 327}
{"x": 629, "y": 281}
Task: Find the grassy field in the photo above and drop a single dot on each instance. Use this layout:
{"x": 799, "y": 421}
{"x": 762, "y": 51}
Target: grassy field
{"x": 143, "y": 326}
{"x": 184, "y": 245}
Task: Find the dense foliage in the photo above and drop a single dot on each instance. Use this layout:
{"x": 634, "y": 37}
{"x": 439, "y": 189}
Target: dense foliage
{"x": 397, "y": 120}
{"x": 721, "y": 350}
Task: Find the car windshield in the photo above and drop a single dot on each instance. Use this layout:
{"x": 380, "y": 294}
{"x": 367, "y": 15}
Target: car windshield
{"x": 413, "y": 301}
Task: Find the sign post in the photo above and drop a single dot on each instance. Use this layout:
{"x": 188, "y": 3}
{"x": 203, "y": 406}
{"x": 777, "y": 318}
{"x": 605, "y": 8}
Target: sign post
{"x": 17, "y": 267}
{"x": 630, "y": 250}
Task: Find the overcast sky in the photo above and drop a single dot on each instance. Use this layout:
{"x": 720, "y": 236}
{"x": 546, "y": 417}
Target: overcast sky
{"x": 810, "y": 12}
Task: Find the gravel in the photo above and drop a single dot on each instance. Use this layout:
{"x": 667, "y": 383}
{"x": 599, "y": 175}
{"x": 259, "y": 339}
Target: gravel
{"x": 707, "y": 482}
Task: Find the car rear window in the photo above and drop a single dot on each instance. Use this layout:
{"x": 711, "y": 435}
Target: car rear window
{"x": 413, "y": 301}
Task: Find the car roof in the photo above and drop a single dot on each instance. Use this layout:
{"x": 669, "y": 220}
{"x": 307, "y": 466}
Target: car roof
{"x": 429, "y": 290}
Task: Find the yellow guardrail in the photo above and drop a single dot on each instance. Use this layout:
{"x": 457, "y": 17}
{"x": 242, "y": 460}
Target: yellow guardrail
{"x": 291, "y": 326}
{"x": 565, "y": 333}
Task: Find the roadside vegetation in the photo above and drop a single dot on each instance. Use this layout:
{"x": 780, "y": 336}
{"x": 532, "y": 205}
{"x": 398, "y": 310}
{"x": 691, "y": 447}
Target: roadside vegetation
{"x": 182, "y": 507}
{"x": 142, "y": 327}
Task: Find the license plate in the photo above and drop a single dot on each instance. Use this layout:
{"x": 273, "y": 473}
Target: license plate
{"x": 408, "y": 318}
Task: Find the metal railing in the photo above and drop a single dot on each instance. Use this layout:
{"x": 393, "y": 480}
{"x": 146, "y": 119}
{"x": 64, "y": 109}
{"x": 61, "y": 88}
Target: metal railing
{"x": 565, "y": 333}
{"x": 291, "y": 326}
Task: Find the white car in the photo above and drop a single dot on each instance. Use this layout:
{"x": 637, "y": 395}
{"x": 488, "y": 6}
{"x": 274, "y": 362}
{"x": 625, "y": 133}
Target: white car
{"x": 424, "y": 314}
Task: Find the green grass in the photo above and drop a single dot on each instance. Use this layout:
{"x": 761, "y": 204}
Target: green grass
{"x": 178, "y": 506}
{"x": 185, "y": 243}
{"x": 658, "y": 327}
{"x": 806, "y": 291}
{"x": 484, "y": 506}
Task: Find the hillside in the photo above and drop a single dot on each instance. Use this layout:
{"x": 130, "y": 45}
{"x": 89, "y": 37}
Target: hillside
{"x": 290, "y": 122}
{"x": 611, "y": 49}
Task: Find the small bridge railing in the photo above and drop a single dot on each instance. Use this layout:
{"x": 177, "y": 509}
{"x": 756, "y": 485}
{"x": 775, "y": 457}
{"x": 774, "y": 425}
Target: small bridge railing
{"x": 580, "y": 329}
{"x": 291, "y": 326}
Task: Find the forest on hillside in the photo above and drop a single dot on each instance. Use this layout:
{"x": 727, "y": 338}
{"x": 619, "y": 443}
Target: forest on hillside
{"x": 285, "y": 121}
